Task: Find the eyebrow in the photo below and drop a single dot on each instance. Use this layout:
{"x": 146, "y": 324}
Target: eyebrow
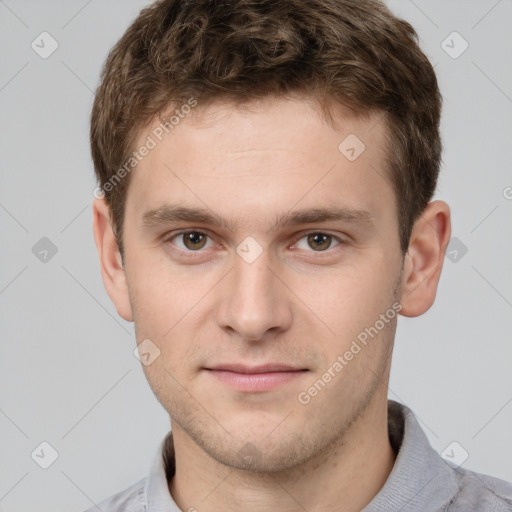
{"x": 169, "y": 213}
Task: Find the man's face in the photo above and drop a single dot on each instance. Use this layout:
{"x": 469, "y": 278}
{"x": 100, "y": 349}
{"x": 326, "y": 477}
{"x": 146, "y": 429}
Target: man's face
{"x": 220, "y": 300}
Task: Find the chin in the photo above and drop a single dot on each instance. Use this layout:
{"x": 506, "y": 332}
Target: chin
{"x": 259, "y": 454}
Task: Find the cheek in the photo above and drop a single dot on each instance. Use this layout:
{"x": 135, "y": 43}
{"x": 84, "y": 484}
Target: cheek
{"x": 161, "y": 293}
{"x": 348, "y": 299}
{"x": 167, "y": 304}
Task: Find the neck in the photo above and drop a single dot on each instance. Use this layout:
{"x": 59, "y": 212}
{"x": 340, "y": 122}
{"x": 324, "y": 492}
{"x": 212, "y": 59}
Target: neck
{"x": 344, "y": 478}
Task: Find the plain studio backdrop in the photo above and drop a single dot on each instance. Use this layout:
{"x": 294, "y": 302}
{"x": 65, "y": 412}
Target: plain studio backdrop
{"x": 68, "y": 375}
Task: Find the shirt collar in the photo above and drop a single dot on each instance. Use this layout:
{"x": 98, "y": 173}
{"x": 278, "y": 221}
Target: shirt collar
{"x": 420, "y": 478}
{"x": 158, "y": 497}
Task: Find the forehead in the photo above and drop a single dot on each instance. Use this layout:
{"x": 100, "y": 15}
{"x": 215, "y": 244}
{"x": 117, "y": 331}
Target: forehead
{"x": 268, "y": 154}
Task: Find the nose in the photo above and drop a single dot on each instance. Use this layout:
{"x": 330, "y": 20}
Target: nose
{"x": 254, "y": 302}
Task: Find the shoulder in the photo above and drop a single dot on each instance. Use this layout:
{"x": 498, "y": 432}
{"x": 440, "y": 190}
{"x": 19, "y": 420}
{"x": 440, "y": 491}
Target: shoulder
{"x": 481, "y": 492}
{"x": 432, "y": 482}
{"x": 131, "y": 499}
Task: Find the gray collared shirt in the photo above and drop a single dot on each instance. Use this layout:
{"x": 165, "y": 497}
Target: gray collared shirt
{"x": 421, "y": 480}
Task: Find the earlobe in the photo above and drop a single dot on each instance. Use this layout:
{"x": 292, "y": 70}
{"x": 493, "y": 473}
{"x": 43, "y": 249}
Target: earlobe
{"x": 112, "y": 269}
{"x": 424, "y": 259}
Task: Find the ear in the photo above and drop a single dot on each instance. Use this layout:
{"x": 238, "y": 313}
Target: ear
{"x": 112, "y": 269}
{"x": 424, "y": 259}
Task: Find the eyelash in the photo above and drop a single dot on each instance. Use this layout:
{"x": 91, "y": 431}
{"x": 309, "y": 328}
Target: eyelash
{"x": 200, "y": 252}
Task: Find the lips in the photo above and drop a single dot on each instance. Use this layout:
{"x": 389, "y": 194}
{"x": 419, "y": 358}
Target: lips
{"x": 264, "y": 368}
{"x": 255, "y": 379}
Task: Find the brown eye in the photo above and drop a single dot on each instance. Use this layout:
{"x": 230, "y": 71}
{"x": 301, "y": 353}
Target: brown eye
{"x": 194, "y": 240}
{"x": 319, "y": 241}
{"x": 189, "y": 243}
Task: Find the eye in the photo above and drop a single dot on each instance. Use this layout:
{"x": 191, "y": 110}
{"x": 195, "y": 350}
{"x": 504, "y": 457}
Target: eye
{"x": 196, "y": 241}
{"x": 318, "y": 241}
{"x": 191, "y": 241}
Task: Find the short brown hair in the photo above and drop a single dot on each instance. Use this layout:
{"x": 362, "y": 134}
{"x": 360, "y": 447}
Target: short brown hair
{"x": 353, "y": 52}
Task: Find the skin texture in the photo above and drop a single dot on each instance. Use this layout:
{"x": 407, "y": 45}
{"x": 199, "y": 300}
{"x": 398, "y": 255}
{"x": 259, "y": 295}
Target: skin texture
{"x": 295, "y": 304}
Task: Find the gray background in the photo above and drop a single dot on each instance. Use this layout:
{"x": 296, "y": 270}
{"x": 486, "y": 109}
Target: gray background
{"x": 67, "y": 371}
